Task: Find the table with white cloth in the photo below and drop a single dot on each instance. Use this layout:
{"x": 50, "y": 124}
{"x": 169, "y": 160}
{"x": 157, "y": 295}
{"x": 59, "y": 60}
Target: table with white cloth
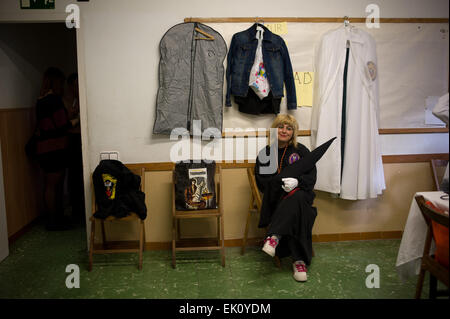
{"x": 413, "y": 240}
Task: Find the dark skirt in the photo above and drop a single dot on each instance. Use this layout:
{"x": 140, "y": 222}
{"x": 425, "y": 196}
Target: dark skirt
{"x": 53, "y": 162}
{"x": 252, "y": 104}
{"x": 293, "y": 219}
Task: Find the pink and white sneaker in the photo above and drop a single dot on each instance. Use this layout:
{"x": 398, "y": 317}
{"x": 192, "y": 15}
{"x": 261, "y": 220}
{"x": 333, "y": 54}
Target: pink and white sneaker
{"x": 270, "y": 243}
{"x": 300, "y": 271}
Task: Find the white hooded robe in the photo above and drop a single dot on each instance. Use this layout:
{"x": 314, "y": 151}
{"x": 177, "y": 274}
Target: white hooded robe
{"x": 362, "y": 172}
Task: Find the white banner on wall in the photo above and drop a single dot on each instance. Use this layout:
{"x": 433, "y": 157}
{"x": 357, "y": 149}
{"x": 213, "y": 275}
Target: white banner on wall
{"x": 412, "y": 65}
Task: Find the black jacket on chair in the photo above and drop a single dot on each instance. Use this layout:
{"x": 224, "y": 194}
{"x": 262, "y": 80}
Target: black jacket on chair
{"x": 117, "y": 191}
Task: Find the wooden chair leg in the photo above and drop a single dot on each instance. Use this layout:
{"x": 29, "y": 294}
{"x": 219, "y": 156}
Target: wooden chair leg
{"x": 141, "y": 242}
{"x": 174, "y": 235}
{"x": 91, "y": 244}
{"x": 420, "y": 284}
{"x": 222, "y": 241}
{"x": 277, "y": 261}
{"x": 244, "y": 240}
{"x": 103, "y": 235}
{"x": 218, "y": 230}
{"x": 144, "y": 235}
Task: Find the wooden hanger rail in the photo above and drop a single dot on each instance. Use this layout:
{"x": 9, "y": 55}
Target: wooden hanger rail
{"x": 314, "y": 20}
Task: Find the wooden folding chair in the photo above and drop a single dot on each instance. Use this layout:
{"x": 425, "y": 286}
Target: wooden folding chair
{"x": 254, "y": 205}
{"x": 114, "y": 247}
{"x": 190, "y": 244}
{"x": 433, "y": 264}
{"x": 438, "y": 167}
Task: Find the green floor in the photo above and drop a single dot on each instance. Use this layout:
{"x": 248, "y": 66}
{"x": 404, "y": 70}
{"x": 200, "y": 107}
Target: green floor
{"x": 36, "y": 268}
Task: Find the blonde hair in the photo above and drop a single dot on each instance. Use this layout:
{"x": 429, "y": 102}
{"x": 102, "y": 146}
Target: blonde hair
{"x": 288, "y": 119}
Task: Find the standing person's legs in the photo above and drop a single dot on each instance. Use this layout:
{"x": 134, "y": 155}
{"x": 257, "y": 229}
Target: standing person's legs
{"x": 53, "y": 197}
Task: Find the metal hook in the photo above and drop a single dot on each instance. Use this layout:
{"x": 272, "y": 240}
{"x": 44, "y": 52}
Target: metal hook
{"x": 259, "y": 21}
{"x": 346, "y": 21}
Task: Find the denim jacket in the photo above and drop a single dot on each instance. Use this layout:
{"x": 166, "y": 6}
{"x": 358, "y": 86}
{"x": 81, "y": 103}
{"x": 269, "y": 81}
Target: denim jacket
{"x": 276, "y": 59}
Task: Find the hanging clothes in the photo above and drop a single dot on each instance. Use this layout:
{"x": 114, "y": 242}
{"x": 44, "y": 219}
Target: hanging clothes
{"x": 346, "y": 105}
{"x": 191, "y": 76}
{"x": 252, "y": 104}
{"x": 259, "y": 99}
{"x": 277, "y": 65}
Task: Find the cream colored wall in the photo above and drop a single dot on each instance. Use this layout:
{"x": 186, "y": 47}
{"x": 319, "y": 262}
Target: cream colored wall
{"x": 335, "y": 216}
{"x": 385, "y": 213}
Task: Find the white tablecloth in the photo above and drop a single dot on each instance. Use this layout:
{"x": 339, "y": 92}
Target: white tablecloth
{"x": 414, "y": 234}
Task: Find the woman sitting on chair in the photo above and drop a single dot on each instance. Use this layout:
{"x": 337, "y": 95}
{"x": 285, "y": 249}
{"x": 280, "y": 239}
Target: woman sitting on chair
{"x": 290, "y": 223}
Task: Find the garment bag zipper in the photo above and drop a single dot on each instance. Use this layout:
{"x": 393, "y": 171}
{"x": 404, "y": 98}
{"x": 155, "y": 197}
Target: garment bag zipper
{"x": 193, "y": 51}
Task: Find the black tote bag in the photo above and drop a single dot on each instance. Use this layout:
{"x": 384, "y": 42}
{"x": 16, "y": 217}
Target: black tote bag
{"x": 195, "y": 186}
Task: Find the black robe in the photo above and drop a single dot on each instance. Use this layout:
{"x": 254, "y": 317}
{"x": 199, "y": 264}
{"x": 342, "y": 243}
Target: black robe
{"x": 290, "y": 215}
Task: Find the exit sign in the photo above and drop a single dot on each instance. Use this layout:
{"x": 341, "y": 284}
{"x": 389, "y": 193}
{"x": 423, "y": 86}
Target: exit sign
{"x": 37, "y": 4}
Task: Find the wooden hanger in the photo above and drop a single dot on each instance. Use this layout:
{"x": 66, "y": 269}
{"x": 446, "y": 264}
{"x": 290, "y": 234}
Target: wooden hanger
{"x": 208, "y": 36}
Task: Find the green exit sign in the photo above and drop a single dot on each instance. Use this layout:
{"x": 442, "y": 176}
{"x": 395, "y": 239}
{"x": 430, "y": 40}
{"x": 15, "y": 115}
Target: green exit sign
{"x": 37, "y": 4}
